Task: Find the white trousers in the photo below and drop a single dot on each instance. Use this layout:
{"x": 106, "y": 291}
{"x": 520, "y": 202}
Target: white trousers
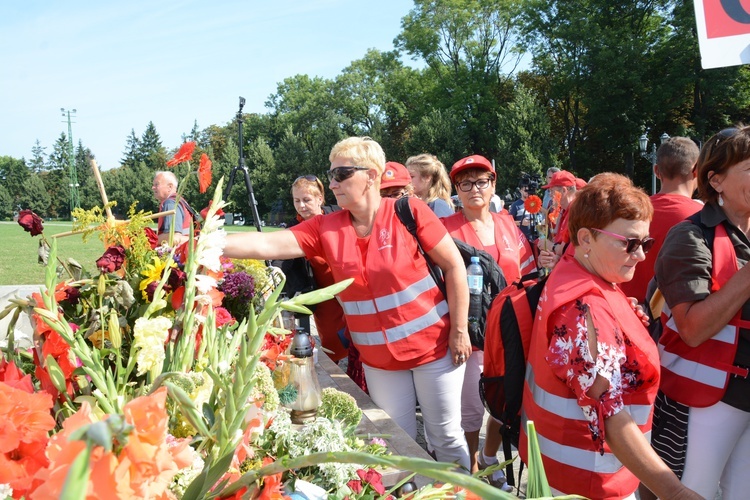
{"x": 472, "y": 409}
{"x": 718, "y": 452}
{"x": 437, "y": 385}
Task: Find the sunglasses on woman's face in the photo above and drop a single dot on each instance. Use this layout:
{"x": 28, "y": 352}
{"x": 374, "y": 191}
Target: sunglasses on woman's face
{"x": 632, "y": 243}
{"x": 340, "y": 174}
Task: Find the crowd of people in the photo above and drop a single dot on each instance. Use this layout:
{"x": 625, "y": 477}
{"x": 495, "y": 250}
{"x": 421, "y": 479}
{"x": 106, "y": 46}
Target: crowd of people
{"x": 595, "y": 372}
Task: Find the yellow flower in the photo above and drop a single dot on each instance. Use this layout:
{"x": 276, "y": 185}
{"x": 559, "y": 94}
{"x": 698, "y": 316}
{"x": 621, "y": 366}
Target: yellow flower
{"x": 150, "y": 336}
{"x": 152, "y": 273}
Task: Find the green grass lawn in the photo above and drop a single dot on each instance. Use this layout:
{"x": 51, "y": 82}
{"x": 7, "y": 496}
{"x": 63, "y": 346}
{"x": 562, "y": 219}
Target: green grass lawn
{"x": 18, "y": 251}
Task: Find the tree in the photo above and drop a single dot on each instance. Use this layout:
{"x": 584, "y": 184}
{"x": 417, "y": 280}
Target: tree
{"x": 150, "y": 149}
{"x": 37, "y": 163}
{"x": 13, "y": 173}
{"x": 6, "y": 204}
{"x": 524, "y": 140}
{"x": 132, "y": 150}
{"x": 443, "y": 134}
{"x": 469, "y": 48}
{"x": 35, "y": 196}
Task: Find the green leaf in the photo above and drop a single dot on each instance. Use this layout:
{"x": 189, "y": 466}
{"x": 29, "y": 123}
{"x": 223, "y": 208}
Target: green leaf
{"x": 77, "y": 480}
{"x": 207, "y": 478}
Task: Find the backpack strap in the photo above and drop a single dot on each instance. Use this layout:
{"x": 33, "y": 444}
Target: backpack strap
{"x": 405, "y": 215}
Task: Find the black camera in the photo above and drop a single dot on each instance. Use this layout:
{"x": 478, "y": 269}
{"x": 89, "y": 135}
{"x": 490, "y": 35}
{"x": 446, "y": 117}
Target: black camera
{"x": 531, "y": 182}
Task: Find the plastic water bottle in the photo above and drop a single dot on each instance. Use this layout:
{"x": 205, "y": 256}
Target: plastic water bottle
{"x": 475, "y": 277}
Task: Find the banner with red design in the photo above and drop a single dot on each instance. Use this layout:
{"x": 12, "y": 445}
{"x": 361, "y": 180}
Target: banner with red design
{"x": 723, "y": 32}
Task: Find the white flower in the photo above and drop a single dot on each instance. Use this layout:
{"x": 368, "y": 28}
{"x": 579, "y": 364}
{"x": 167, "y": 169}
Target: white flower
{"x": 150, "y": 336}
{"x": 6, "y": 491}
{"x": 210, "y": 248}
{"x": 204, "y": 283}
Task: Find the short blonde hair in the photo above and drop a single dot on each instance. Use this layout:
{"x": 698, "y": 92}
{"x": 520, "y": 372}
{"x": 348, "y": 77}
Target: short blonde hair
{"x": 364, "y": 152}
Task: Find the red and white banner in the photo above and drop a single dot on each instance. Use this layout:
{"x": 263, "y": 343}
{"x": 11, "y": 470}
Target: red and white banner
{"x": 723, "y": 32}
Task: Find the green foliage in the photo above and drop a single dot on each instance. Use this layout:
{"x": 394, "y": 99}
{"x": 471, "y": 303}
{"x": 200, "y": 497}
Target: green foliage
{"x": 340, "y": 406}
{"x": 6, "y": 204}
{"x": 524, "y": 140}
{"x": 34, "y": 195}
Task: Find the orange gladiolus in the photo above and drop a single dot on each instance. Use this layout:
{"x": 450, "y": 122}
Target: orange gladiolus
{"x": 204, "y": 173}
{"x": 183, "y": 155}
{"x": 145, "y": 466}
{"x": 25, "y": 420}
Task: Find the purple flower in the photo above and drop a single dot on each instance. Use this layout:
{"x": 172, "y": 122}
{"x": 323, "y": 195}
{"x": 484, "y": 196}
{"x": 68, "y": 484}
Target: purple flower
{"x": 238, "y": 286}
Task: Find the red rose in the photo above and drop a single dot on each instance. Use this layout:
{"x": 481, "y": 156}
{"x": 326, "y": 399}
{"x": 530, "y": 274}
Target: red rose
{"x": 176, "y": 278}
{"x": 373, "y": 478}
{"x": 112, "y": 259}
{"x": 355, "y": 486}
{"x": 30, "y": 222}
{"x": 153, "y": 238}
{"x": 223, "y": 317}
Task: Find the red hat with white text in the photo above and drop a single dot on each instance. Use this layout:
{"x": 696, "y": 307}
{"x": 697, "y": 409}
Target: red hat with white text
{"x": 473, "y": 161}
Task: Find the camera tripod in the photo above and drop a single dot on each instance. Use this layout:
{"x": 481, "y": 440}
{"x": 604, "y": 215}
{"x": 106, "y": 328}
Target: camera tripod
{"x": 241, "y": 166}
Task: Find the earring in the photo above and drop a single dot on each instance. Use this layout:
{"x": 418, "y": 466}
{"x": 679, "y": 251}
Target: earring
{"x": 587, "y": 253}
{"x": 721, "y": 200}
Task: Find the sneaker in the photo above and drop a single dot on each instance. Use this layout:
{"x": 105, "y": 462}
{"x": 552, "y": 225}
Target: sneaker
{"x": 497, "y": 479}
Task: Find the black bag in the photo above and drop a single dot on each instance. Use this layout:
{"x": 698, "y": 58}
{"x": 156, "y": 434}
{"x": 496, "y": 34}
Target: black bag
{"x": 494, "y": 279}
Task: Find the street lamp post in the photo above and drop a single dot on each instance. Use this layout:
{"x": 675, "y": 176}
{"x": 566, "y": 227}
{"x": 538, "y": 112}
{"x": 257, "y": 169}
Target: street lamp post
{"x": 651, "y": 155}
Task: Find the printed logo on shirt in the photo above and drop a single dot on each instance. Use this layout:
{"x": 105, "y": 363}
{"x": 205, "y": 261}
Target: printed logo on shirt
{"x": 507, "y": 244}
{"x": 384, "y": 239}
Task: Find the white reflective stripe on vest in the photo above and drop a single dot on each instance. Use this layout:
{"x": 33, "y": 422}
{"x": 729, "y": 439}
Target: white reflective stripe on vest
{"x": 692, "y": 369}
{"x": 528, "y": 262}
{"x": 575, "y": 457}
{"x": 391, "y": 301}
{"x": 402, "y": 331}
{"x": 569, "y": 408}
{"x": 725, "y": 335}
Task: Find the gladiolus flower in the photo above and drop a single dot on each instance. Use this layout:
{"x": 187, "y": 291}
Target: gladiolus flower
{"x": 31, "y": 222}
{"x": 204, "y": 173}
{"x": 533, "y": 204}
{"x": 153, "y": 238}
{"x": 204, "y": 212}
{"x": 112, "y": 259}
{"x": 150, "y": 336}
{"x": 183, "y": 155}
{"x": 223, "y": 317}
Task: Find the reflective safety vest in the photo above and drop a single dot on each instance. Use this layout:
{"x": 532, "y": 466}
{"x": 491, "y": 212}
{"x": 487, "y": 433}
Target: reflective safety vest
{"x": 187, "y": 216}
{"x": 572, "y": 461}
{"x": 396, "y": 314}
{"x": 516, "y": 257}
{"x": 698, "y": 376}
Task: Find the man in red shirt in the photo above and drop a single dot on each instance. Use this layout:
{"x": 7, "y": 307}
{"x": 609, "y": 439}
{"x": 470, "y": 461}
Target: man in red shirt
{"x": 675, "y": 168}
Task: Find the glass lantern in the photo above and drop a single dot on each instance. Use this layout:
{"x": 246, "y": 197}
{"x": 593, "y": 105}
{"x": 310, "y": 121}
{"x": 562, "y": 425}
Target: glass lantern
{"x": 303, "y": 377}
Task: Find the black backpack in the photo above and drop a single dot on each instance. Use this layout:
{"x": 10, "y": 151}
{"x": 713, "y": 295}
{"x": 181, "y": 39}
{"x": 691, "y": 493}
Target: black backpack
{"x": 494, "y": 279}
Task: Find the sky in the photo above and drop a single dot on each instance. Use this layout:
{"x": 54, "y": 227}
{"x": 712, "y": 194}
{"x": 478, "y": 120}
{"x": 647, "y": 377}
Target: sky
{"x": 122, "y": 64}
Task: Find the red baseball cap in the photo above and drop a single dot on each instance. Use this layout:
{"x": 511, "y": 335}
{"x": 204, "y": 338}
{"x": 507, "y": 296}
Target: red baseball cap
{"x": 394, "y": 175}
{"x": 563, "y": 178}
{"x": 580, "y": 183}
{"x": 473, "y": 161}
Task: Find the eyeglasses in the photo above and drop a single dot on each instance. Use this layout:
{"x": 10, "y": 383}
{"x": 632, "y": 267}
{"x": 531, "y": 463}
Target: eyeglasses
{"x": 481, "y": 184}
{"x": 310, "y": 178}
{"x": 393, "y": 194}
{"x": 340, "y": 174}
{"x": 633, "y": 243}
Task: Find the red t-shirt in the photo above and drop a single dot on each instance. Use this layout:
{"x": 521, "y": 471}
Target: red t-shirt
{"x": 669, "y": 210}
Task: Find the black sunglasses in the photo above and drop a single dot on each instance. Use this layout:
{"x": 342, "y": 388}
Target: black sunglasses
{"x": 340, "y": 174}
{"x": 646, "y": 243}
{"x": 310, "y": 178}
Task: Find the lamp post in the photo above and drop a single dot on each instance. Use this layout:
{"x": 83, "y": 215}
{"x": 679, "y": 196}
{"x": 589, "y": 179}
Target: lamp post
{"x": 651, "y": 155}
